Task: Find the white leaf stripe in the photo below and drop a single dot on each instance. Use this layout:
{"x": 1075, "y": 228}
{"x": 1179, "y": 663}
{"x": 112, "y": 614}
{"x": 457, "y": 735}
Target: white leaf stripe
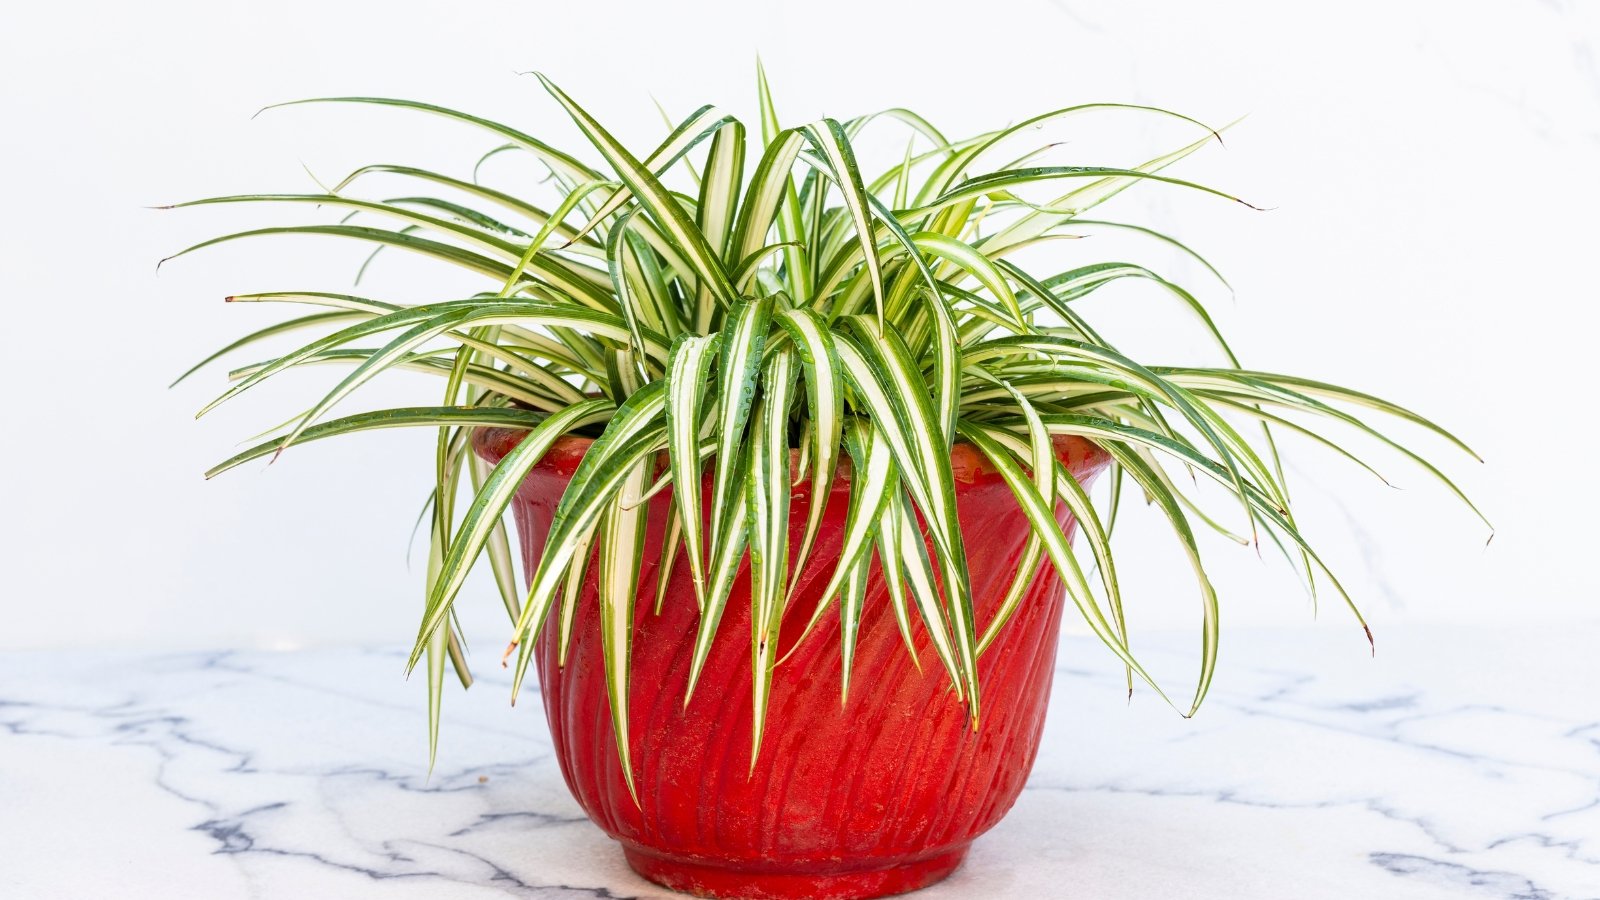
{"x": 888, "y": 543}
{"x": 829, "y": 139}
{"x": 621, "y": 550}
{"x": 740, "y": 354}
{"x": 566, "y": 535}
{"x": 707, "y": 120}
{"x": 917, "y": 569}
{"x": 1055, "y": 545}
{"x": 490, "y": 502}
{"x": 719, "y": 189}
{"x": 724, "y": 567}
{"x": 870, "y": 484}
{"x": 572, "y": 588}
{"x": 850, "y": 603}
{"x": 407, "y": 417}
{"x": 763, "y": 196}
{"x": 931, "y": 462}
{"x": 686, "y": 387}
{"x": 768, "y": 498}
{"x": 825, "y": 400}
{"x": 652, "y": 196}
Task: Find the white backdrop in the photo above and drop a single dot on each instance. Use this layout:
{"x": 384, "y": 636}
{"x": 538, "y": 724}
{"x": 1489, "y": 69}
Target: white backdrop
{"x": 1431, "y": 169}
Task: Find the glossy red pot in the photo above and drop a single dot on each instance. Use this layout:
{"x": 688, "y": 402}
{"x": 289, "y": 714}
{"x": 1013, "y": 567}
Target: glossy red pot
{"x": 881, "y": 795}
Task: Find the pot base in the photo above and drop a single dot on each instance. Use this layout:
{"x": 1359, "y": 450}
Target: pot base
{"x": 712, "y": 880}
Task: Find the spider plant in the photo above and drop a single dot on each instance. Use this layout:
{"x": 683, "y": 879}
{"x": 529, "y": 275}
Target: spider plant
{"x": 781, "y": 299}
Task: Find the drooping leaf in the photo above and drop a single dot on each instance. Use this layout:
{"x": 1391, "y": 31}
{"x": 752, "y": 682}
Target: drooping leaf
{"x": 653, "y": 197}
{"x": 490, "y": 502}
{"x": 825, "y": 400}
{"x": 686, "y": 388}
{"x": 621, "y": 551}
{"x": 767, "y": 492}
{"x": 740, "y": 361}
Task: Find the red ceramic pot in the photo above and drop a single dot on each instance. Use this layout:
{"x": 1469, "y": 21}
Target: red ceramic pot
{"x": 881, "y": 795}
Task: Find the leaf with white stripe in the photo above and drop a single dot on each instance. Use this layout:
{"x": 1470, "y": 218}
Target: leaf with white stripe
{"x": 726, "y": 555}
{"x": 851, "y": 600}
{"x": 925, "y": 471}
{"x": 408, "y": 417}
{"x": 870, "y": 483}
{"x": 976, "y": 264}
{"x": 888, "y": 544}
{"x": 1043, "y": 521}
{"x": 572, "y": 591}
{"x": 829, "y": 139}
{"x": 501, "y": 312}
{"x": 560, "y": 163}
{"x": 743, "y": 339}
{"x": 706, "y": 121}
{"x": 1043, "y": 458}
{"x": 825, "y": 404}
{"x": 768, "y": 499}
{"x": 917, "y": 569}
{"x": 762, "y": 201}
{"x": 569, "y": 534}
{"x": 1067, "y": 489}
{"x": 621, "y": 550}
{"x": 296, "y": 324}
{"x": 782, "y": 147}
{"x": 671, "y": 547}
{"x": 490, "y": 503}
{"x": 501, "y": 562}
{"x": 686, "y": 387}
{"x": 653, "y": 197}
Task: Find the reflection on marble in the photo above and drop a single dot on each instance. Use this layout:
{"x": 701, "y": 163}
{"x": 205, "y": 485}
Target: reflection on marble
{"x": 1460, "y": 763}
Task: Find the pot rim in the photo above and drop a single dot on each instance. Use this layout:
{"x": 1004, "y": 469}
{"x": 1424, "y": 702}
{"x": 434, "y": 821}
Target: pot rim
{"x": 1082, "y": 457}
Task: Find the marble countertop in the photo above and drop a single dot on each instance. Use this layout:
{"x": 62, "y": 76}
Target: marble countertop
{"x": 1461, "y": 762}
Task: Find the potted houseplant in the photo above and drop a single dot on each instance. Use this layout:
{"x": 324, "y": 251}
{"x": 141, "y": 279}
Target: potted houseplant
{"x": 795, "y": 458}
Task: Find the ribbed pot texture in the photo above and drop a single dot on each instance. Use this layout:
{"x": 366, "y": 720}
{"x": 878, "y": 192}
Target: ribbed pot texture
{"x": 878, "y": 795}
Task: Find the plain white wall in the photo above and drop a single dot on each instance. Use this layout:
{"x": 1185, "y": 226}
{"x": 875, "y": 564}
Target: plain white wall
{"x": 1431, "y": 168}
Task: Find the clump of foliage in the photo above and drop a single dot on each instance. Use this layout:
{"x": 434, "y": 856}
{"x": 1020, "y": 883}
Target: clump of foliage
{"x": 788, "y": 301}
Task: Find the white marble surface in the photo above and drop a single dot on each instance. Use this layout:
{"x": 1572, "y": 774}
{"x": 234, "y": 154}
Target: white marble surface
{"x": 1460, "y": 763}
